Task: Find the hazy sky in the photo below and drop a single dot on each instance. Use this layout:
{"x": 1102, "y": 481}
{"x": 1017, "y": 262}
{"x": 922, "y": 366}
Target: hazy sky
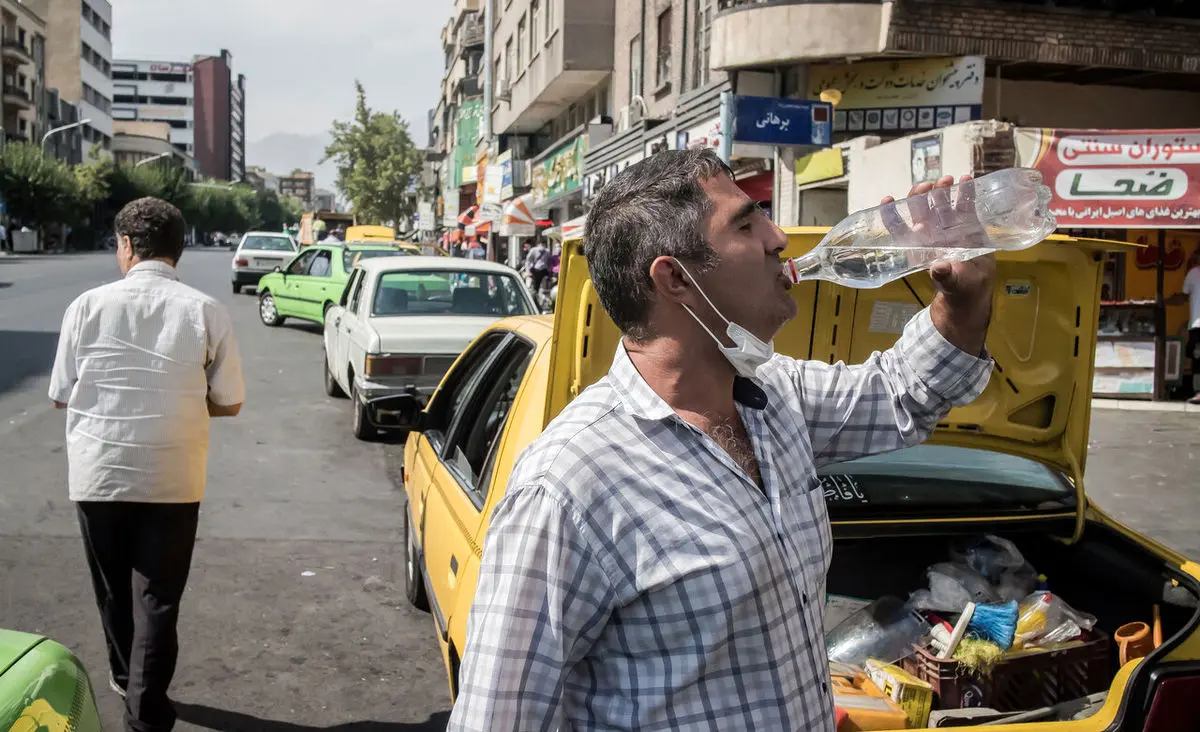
{"x": 301, "y": 57}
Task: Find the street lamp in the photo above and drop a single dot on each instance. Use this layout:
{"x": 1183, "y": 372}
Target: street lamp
{"x": 64, "y": 128}
{"x": 151, "y": 159}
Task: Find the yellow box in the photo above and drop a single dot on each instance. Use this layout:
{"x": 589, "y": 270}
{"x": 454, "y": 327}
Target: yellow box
{"x": 912, "y": 694}
{"x": 866, "y": 706}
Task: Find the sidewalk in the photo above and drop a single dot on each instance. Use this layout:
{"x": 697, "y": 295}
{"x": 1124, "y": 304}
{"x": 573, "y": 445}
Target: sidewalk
{"x": 1137, "y": 405}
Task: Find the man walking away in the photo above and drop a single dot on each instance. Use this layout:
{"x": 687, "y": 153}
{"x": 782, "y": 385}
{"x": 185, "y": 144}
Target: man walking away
{"x": 538, "y": 264}
{"x": 142, "y": 364}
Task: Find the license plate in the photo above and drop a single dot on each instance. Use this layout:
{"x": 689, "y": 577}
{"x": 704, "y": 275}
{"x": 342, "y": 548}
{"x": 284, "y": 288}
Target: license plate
{"x": 263, "y": 262}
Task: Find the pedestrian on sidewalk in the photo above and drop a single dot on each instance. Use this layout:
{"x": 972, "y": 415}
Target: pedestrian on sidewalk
{"x": 659, "y": 558}
{"x": 142, "y": 364}
{"x": 1191, "y": 295}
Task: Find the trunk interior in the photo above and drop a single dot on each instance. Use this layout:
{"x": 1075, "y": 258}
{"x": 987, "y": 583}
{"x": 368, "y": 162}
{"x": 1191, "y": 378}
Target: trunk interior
{"x": 1104, "y": 574}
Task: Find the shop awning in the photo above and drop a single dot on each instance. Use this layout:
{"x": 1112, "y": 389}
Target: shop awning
{"x": 517, "y": 219}
{"x": 468, "y": 216}
{"x": 480, "y": 229}
{"x": 572, "y": 229}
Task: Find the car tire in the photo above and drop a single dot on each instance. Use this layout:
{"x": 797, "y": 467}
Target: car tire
{"x": 361, "y": 426}
{"x": 237, "y": 289}
{"x": 414, "y": 573}
{"x": 267, "y": 311}
{"x": 332, "y": 388}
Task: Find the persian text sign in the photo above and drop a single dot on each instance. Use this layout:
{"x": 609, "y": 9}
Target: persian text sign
{"x": 1147, "y": 179}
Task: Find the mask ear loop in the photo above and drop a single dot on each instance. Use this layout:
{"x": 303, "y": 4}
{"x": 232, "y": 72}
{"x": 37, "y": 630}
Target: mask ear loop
{"x": 710, "y": 304}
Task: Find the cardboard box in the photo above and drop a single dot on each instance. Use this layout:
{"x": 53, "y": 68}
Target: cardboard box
{"x": 913, "y": 695}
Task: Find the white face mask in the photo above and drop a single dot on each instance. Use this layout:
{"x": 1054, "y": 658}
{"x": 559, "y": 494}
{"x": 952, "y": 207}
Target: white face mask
{"x": 748, "y": 352}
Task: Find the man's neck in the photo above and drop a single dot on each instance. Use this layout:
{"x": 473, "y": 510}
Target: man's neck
{"x": 693, "y": 379}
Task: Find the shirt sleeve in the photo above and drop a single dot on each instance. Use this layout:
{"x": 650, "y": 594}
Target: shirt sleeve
{"x": 65, "y": 372}
{"x": 892, "y": 400}
{"x": 542, "y": 600}
{"x": 1191, "y": 283}
{"x": 224, "y": 367}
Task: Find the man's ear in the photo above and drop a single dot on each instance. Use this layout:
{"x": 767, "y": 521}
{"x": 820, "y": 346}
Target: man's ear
{"x": 670, "y": 280}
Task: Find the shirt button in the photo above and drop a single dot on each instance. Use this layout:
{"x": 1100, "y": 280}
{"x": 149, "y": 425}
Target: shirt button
{"x": 825, "y": 687}
{"x": 804, "y": 598}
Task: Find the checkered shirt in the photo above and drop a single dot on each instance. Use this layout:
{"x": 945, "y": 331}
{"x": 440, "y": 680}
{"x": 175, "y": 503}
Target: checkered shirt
{"x": 635, "y": 578}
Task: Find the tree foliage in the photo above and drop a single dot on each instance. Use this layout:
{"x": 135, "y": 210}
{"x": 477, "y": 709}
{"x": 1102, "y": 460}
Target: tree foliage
{"x": 376, "y": 162}
{"x": 37, "y": 190}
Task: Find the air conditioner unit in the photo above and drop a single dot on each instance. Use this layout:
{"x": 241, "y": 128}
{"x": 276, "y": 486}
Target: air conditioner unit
{"x": 503, "y": 90}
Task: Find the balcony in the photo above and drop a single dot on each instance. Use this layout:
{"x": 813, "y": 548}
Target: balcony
{"x": 13, "y": 50}
{"x": 756, "y": 33}
{"x": 471, "y": 36}
{"x": 17, "y": 97}
{"x": 469, "y": 86}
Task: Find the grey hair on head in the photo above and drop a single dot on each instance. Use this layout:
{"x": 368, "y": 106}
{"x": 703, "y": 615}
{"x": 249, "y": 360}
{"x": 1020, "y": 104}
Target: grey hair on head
{"x": 654, "y": 208}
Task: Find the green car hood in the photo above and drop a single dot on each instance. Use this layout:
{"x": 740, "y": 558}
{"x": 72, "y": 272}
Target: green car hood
{"x": 13, "y": 645}
{"x": 43, "y": 687}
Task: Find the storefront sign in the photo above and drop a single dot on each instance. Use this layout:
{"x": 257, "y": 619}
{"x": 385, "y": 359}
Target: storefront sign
{"x": 596, "y": 180}
{"x": 466, "y": 133}
{"x": 425, "y": 216}
{"x": 170, "y": 68}
{"x": 1117, "y": 178}
{"x": 819, "y": 166}
{"x": 561, "y": 172}
{"x": 903, "y": 95}
{"x": 450, "y": 205}
{"x": 926, "y": 159}
{"x": 783, "y": 122}
{"x": 707, "y": 134}
{"x": 506, "y": 175}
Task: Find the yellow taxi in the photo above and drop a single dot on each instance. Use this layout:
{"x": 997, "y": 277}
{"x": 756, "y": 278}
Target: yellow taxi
{"x": 1011, "y": 464}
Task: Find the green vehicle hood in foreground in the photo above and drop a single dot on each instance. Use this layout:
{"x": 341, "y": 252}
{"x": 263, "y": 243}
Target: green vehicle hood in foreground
{"x": 43, "y": 687}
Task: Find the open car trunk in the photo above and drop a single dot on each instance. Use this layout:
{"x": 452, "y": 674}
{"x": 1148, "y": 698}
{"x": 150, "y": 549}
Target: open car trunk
{"x": 1103, "y": 574}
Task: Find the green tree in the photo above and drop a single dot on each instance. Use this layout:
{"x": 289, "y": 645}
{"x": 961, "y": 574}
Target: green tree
{"x": 376, "y": 162}
{"x": 37, "y": 190}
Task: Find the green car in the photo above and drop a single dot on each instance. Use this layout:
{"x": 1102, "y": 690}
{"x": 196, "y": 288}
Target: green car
{"x": 313, "y": 281}
{"x": 43, "y": 687}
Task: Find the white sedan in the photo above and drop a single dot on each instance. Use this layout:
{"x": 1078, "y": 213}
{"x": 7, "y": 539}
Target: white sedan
{"x": 401, "y": 323}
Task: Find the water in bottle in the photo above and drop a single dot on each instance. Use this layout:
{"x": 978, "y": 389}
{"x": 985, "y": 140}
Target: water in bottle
{"x": 1005, "y": 210}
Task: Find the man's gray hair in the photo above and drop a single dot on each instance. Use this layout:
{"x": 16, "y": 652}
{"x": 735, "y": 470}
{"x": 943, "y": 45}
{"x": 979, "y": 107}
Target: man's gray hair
{"x": 652, "y": 209}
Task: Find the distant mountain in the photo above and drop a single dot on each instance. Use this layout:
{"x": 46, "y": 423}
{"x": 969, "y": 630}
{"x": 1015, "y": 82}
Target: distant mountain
{"x": 283, "y": 152}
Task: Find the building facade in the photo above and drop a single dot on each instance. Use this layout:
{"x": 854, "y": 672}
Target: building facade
{"x": 157, "y": 91}
{"x": 79, "y": 62}
{"x": 23, "y": 56}
{"x": 299, "y": 184}
{"x": 262, "y": 178}
{"x": 149, "y": 143}
{"x": 219, "y": 137}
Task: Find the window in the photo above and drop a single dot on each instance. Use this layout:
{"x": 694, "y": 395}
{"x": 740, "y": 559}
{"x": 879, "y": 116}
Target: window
{"x": 356, "y": 298}
{"x": 549, "y": 17}
{"x": 268, "y": 243}
{"x": 21, "y": 36}
{"x": 663, "y": 68}
{"x": 702, "y": 74}
{"x": 508, "y": 60}
{"x": 449, "y": 292}
{"x": 635, "y": 67}
{"x": 351, "y": 257}
{"x": 457, "y": 386}
{"x": 522, "y": 45}
{"x": 300, "y": 264}
{"x": 535, "y": 26}
{"x": 474, "y": 447}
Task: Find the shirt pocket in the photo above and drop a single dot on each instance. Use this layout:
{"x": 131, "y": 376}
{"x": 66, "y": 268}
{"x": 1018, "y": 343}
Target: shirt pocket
{"x": 809, "y": 533}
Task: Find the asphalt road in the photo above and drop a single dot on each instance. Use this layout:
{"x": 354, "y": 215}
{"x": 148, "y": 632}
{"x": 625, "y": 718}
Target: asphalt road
{"x": 290, "y": 492}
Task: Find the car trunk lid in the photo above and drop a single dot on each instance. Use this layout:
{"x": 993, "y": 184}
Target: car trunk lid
{"x": 1042, "y": 337}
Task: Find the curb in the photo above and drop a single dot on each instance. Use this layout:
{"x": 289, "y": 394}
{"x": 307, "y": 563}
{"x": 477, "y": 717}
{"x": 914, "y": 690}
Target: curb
{"x": 1133, "y": 405}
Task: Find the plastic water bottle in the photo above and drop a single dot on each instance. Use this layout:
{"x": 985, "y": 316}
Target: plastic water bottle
{"x": 1005, "y": 210}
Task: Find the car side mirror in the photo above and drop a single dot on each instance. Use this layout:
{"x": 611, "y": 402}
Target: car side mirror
{"x": 279, "y": 269}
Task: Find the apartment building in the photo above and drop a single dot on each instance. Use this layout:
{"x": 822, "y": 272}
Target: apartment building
{"x": 22, "y": 58}
{"x": 79, "y": 62}
{"x": 299, "y": 184}
{"x": 219, "y": 117}
{"x": 262, "y": 178}
{"x": 149, "y": 143}
{"x": 457, "y": 123}
{"x": 157, "y": 91}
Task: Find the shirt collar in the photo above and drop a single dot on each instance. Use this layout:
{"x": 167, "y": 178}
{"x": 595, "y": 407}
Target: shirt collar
{"x": 634, "y": 392}
{"x": 153, "y": 269}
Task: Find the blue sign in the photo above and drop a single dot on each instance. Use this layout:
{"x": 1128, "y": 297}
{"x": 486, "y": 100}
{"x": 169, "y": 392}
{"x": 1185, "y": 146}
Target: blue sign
{"x": 783, "y": 122}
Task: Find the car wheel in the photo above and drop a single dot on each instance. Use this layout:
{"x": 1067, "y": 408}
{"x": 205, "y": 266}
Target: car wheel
{"x": 414, "y": 573}
{"x": 331, "y": 386}
{"x": 361, "y": 426}
{"x": 267, "y": 312}
{"x": 237, "y": 289}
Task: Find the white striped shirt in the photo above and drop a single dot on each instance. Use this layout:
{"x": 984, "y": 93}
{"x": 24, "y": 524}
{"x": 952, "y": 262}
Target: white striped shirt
{"x": 137, "y": 361}
{"x": 634, "y": 577}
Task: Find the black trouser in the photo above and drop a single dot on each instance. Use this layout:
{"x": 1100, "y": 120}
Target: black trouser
{"x": 1191, "y": 352}
{"x": 537, "y": 276}
{"x": 140, "y": 554}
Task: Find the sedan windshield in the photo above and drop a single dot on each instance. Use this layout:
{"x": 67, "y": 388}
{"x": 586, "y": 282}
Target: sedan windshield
{"x": 269, "y": 244}
{"x": 917, "y": 479}
{"x": 449, "y": 292}
{"x": 351, "y": 257}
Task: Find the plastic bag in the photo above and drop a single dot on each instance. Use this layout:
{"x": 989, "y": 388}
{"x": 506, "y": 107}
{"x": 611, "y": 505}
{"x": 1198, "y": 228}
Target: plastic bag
{"x": 1045, "y": 619}
{"x": 951, "y": 587}
{"x": 886, "y": 630}
{"x": 999, "y": 562}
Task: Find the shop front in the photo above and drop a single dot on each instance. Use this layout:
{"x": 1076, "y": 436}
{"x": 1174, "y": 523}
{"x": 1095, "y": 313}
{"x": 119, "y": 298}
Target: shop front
{"x": 556, "y": 180}
{"x": 1141, "y": 186}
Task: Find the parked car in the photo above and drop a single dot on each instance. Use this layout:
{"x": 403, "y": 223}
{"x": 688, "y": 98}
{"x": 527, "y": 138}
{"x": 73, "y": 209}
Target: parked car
{"x": 1011, "y": 463}
{"x": 43, "y": 686}
{"x": 313, "y": 281}
{"x": 401, "y": 323}
{"x": 258, "y": 254}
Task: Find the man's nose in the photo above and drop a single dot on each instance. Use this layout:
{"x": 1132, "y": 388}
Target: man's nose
{"x": 776, "y": 240}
